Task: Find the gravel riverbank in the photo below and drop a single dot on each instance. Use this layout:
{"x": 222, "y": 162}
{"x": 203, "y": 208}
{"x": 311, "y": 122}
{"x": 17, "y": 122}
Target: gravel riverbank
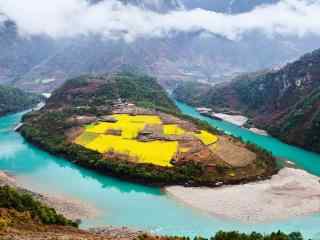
{"x": 290, "y": 193}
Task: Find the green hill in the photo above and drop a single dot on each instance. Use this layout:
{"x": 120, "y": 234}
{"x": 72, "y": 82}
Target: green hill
{"x": 103, "y": 89}
{"x": 15, "y": 100}
{"x": 285, "y": 102}
{"x": 126, "y": 125}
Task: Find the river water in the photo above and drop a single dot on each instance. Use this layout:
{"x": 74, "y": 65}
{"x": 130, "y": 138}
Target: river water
{"x": 306, "y": 160}
{"x": 125, "y": 204}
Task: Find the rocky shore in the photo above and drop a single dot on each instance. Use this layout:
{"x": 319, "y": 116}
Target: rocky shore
{"x": 238, "y": 120}
{"x": 259, "y": 131}
{"x": 117, "y": 232}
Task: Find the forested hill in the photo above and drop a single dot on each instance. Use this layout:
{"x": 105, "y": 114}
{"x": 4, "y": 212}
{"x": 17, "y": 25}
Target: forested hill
{"x": 136, "y": 123}
{"x": 286, "y": 102}
{"x": 14, "y": 100}
{"x": 102, "y": 89}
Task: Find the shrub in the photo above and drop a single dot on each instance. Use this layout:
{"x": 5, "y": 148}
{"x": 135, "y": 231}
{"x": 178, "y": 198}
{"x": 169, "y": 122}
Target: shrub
{"x": 23, "y": 202}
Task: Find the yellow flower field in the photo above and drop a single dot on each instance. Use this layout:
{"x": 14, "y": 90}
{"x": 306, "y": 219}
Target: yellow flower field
{"x": 144, "y": 151}
{"x": 130, "y": 125}
{"x": 184, "y": 149}
{"x": 172, "y": 129}
{"x": 159, "y": 153}
{"x": 207, "y": 138}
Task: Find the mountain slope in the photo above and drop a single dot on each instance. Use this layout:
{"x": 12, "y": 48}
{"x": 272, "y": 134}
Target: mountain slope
{"x": 14, "y": 100}
{"x": 41, "y": 64}
{"x": 95, "y": 90}
{"x": 226, "y": 6}
{"x": 20, "y": 54}
{"x": 161, "y": 6}
{"x": 286, "y": 102}
{"x": 182, "y": 56}
{"x": 156, "y": 5}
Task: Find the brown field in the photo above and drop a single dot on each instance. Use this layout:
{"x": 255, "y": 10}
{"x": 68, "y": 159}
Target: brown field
{"x": 232, "y": 153}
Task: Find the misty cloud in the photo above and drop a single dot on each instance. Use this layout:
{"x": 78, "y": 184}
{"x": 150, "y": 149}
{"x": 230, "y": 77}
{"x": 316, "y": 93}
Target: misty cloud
{"x": 112, "y": 19}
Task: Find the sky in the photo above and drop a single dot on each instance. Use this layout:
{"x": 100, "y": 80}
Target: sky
{"x": 111, "y": 19}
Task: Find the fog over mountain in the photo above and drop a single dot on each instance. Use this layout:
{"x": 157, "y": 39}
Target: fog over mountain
{"x": 226, "y": 6}
{"x": 115, "y": 19}
{"x": 172, "y": 39}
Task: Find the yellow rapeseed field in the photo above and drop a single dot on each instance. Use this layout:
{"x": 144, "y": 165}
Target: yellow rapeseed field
{"x": 156, "y": 152}
{"x": 145, "y": 151}
{"x": 172, "y": 129}
{"x": 207, "y": 138}
{"x": 184, "y": 149}
{"x": 130, "y": 125}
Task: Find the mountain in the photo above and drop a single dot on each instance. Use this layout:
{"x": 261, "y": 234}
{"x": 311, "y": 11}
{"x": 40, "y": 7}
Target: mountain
{"x": 286, "y": 102}
{"x": 161, "y": 6}
{"x": 156, "y": 5}
{"x": 125, "y": 125}
{"x": 18, "y": 54}
{"x": 41, "y": 64}
{"x": 226, "y": 6}
{"x": 15, "y": 100}
{"x": 182, "y": 56}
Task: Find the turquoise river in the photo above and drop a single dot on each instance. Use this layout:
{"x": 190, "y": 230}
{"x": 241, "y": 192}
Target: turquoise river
{"x": 125, "y": 204}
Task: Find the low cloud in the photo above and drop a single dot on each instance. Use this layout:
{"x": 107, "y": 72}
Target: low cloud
{"x": 112, "y": 19}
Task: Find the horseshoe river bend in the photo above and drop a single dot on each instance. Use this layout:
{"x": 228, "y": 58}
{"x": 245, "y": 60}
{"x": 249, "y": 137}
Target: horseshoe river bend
{"x": 121, "y": 203}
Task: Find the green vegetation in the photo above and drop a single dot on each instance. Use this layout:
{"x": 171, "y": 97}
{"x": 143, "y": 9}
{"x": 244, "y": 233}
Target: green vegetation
{"x": 283, "y": 102}
{"x": 192, "y": 93}
{"x": 20, "y": 212}
{"x": 221, "y": 235}
{"x": 102, "y": 90}
{"x": 300, "y": 125}
{"x": 47, "y": 128}
{"x": 24, "y": 202}
{"x": 15, "y": 100}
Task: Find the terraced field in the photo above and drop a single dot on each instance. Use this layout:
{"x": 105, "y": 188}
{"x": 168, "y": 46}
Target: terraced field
{"x": 122, "y": 136}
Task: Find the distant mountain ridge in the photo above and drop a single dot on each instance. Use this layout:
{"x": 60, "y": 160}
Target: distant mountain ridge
{"x": 154, "y": 5}
{"x": 226, "y": 6}
{"x": 41, "y": 64}
{"x": 286, "y": 102}
{"x": 18, "y": 54}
